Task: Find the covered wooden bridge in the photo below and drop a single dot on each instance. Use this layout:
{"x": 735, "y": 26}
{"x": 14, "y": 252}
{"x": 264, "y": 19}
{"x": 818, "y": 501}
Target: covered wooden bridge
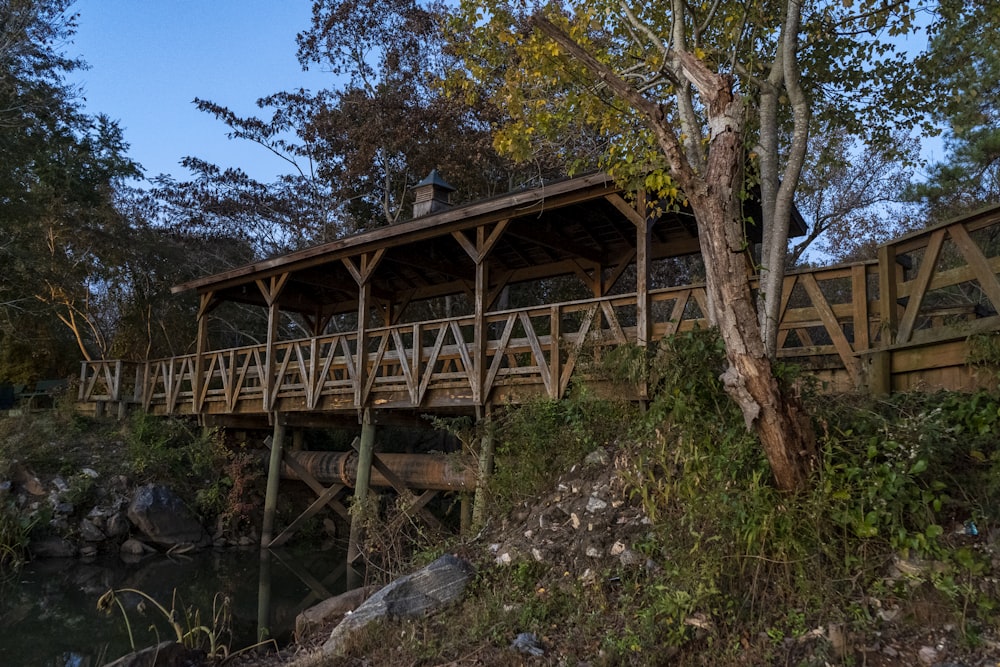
{"x": 464, "y": 308}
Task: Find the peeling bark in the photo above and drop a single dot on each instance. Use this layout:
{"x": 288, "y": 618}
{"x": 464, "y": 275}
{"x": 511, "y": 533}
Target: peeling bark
{"x": 785, "y": 433}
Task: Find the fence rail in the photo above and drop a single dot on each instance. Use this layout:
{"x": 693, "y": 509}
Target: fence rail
{"x": 935, "y": 287}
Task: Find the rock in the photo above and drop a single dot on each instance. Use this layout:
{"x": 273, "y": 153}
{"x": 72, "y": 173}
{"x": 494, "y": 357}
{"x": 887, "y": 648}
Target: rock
{"x": 90, "y": 532}
{"x": 52, "y": 547}
{"x": 598, "y": 457}
{"x": 630, "y": 558}
{"x": 133, "y": 547}
{"x": 418, "y": 594}
{"x": 595, "y": 504}
{"x": 165, "y": 654}
{"x": 528, "y": 644}
{"x": 63, "y": 508}
{"x": 163, "y": 518}
{"x": 90, "y": 472}
{"x": 330, "y": 610}
{"x": 118, "y": 525}
{"x": 60, "y": 484}
{"x": 88, "y": 551}
{"x": 28, "y": 482}
{"x": 927, "y": 655}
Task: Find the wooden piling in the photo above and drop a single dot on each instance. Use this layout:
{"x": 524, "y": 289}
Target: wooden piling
{"x": 264, "y": 597}
{"x": 365, "y": 455}
{"x": 486, "y": 452}
{"x": 273, "y": 477}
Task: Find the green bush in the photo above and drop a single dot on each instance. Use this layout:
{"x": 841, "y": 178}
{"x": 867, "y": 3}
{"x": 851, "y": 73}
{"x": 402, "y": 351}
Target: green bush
{"x": 15, "y": 530}
{"x": 543, "y": 438}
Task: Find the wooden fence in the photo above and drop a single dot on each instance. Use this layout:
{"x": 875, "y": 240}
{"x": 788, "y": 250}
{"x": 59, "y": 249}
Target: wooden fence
{"x": 898, "y": 323}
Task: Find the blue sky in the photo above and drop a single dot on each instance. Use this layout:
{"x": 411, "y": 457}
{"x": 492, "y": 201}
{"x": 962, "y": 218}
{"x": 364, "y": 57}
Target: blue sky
{"x": 150, "y": 58}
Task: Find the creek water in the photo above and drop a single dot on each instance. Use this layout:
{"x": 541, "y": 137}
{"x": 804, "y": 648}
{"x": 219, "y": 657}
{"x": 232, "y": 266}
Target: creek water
{"x": 49, "y": 615}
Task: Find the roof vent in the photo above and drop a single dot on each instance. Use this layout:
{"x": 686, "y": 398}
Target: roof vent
{"x": 431, "y": 195}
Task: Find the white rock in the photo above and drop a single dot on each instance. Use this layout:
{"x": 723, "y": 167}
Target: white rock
{"x": 927, "y": 655}
{"x": 537, "y": 555}
{"x": 595, "y": 504}
{"x": 575, "y": 520}
{"x": 593, "y": 552}
{"x": 617, "y": 548}
{"x": 91, "y": 473}
{"x": 504, "y": 559}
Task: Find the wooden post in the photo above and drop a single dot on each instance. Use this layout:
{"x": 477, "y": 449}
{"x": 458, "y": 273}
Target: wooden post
{"x": 643, "y": 321}
{"x": 487, "y": 447}
{"x": 201, "y": 347}
{"x": 479, "y": 359}
{"x": 358, "y": 513}
{"x": 888, "y": 293}
{"x": 264, "y": 596}
{"x": 362, "y": 273}
{"x": 273, "y": 315}
{"x": 465, "y": 519}
{"x": 297, "y": 438}
{"x": 273, "y": 477}
{"x": 361, "y": 362}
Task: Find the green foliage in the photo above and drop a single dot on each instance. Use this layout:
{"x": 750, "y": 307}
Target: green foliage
{"x": 963, "y": 67}
{"x": 169, "y": 448}
{"x": 896, "y": 477}
{"x": 539, "y": 440}
{"x": 212, "y": 634}
{"x": 197, "y": 464}
{"x": 15, "y": 529}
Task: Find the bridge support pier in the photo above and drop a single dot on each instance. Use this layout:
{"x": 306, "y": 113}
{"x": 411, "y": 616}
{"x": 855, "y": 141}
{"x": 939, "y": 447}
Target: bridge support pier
{"x": 273, "y": 477}
{"x": 486, "y": 452}
{"x": 359, "y": 504}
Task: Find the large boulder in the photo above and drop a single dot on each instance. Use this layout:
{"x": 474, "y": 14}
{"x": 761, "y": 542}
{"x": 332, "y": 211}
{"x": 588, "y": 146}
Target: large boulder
{"x": 330, "y": 610}
{"x": 418, "y": 594}
{"x": 164, "y": 519}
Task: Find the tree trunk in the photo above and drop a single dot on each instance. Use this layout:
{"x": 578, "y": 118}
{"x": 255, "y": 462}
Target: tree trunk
{"x": 784, "y": 430}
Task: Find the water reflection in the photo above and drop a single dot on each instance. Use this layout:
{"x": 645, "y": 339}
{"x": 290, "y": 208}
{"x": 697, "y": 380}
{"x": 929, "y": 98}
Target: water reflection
{"x": 49, "y": 616}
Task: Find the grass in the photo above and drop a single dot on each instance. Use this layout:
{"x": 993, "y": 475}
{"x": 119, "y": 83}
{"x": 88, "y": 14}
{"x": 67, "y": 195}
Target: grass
{"x": 744, "y": 575}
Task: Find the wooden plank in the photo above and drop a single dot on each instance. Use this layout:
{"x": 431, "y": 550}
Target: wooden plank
{"x": 859, "y": 298}
{"x": 919, "y": 289}
{"x": 887, "y": 294}
{"x": 924, "y": 357}
{"x": 840, "y": 342}
{"x": 633, "y": 216}
{"x": 643, "y": 303}
{"x": 311, "y": 511}
{"x": 980, "y": 265}
{"x": 404, "y": 363}
{"x": 479, "y": 337}
{"x": 374, "y": 373}
{"x": 574, "y": 351}
{"x": 536, "y": 349}
{"x": 617, "y": 334}
{"x": 555, "y": 363}
{"x": 463, "y": 351}
{"x": 498, "y": 356}
{"x": 431, "y": 362}
{"x": 677, "y": 314}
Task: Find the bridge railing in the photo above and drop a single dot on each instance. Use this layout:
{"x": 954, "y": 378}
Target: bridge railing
{"x": 940, "y": 283}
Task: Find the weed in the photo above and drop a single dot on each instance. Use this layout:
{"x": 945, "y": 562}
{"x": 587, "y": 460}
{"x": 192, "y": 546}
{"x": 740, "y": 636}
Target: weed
{"x": 15, "y": 531}
{"x": 186, "y": 623}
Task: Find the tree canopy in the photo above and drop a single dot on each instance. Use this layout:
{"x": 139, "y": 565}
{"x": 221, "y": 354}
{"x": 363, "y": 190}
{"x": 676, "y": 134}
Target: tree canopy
{"x": 700, "y": 102}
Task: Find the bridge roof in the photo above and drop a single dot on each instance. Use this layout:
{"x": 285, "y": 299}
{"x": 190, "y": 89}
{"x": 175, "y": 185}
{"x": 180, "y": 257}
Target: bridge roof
{"x": 552, "y": 230}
